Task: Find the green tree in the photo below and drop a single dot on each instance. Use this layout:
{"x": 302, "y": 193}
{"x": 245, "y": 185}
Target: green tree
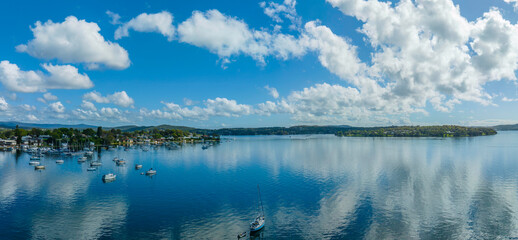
{"x": 99, "y": 132}
{"x": 89, "y": 132}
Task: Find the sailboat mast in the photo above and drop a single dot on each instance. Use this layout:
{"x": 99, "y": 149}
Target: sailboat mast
{"x": 261, "y": 201}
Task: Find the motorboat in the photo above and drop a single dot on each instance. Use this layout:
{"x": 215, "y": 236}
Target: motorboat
{"x": 35, "y": 158}
{"x": 258, "y": 222}
{"x": 39, "y": 167}
{"x": 34, "y": 163}
{"x": 82, "y": 159}
{"x": 109, "y": 177}
{"x": 95, "y": 164}
{"x": 138, "y": 166}
{"x": 115, "y": 159}
{"x": 120, "y": 162}
{"x": 151, "y": 172}
{"x": 90, "y": 169}
{"x": 60, "y": 161}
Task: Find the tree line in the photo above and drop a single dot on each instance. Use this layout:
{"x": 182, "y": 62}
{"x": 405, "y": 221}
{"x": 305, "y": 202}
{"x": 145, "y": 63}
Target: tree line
{"x": 418, "y": 131}
{"x": 77, "y": 137}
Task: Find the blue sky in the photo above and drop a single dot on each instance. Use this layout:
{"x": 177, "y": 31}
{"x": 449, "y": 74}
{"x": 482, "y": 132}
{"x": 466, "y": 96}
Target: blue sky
{"x": 248, "y": 64}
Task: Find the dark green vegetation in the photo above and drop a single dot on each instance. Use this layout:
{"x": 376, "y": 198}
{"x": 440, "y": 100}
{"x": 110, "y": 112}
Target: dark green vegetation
{"x": 418, "y": 131}
{"x": 513, "y": 127}
{"x": 124, "y": 133}
{"x": 77, "y": 138}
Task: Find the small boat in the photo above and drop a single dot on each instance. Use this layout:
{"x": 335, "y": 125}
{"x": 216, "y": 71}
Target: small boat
{"x": 109, "y": 177}
{"x": 151, "y": 172}
{"x": 94, "y": 164}
{"x": 35, "y": 158}
{"x": 120, "y": 162}
{"x": 138, "y": 166}
{"x": 33, "y": 163}
{"x": 82, "y": 159}
{"x": 39, "y": 167}
{"x": 241, "y": 235}
{"x": 60, "y": 161}
{"x": 258, "y": 222}
{"x": 90, "y": 169}
{"x": 89, "y": 153}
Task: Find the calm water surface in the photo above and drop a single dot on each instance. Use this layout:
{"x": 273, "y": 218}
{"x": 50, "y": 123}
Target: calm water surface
{"x": 313, "y": 187}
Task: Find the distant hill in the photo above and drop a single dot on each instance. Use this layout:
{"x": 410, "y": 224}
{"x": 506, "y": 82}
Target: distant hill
{"x": 512, "y": 127}
{"x": 131, "y": 128}
{"x": 276, "y": 130}
{"x": 12, "y": 125}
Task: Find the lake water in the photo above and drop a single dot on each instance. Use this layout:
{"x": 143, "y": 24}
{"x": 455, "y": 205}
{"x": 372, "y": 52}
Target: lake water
{"x": 313, "y": 187}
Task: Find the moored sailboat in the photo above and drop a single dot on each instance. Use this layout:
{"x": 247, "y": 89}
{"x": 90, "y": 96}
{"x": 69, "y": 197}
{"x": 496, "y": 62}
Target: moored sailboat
{"x": 258, "y": 222}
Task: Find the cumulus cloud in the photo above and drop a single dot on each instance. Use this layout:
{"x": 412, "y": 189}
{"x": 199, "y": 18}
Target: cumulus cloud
{"x": 118, "y": 98}
{"x": 27, "y": 107}
{"x": 88, "y": 106}
{"x": 228, "y": 36}
{"x": 161, "y": 22}
{"x": 58, "y": 77}
{"x": 105, "y": 114}
{"x": 57, "y": 107}
{"x": 220, "y": 34}
{"x": 221, "y": 107}
{"x": 75, "y": 41}
{"x": 3, "y": 104}
{"x": 285, "y": 9}
{"x": 273, "y": 91}
{"x": 32, "y": 118}
{"x": 49, "y": 97}
{"x": 425, "y": 53}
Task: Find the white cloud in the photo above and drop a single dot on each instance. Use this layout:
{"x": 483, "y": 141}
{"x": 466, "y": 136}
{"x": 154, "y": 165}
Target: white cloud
{"x": 49, "y": 97}
{"x": 188, "y": 102}
{"x": 118, "y": 98}
{"x": 284, "y": 10}
{"x": 32, "y": 118}
{"x": 121, "y": 99}
{"x": 114, "y": 16}
{"x": 161, "y": 22}
{"x": 96, "y": 97}
{"x": 3, "y": 104}
{"x": 105, "y": 114}
{"x": 220, "y": 107}
{"x": 112, "y": 113}
{"x": 75, "y": 41}
{"x": 59, "y": 77}
{"x": 28, "y": 107}
{"x": 513, "y": 2}
{"x": 505, "y": 99}
{"x": 222, "y": 35}
{"x": 272, "y": 91}
{"x": 57, "y": 107}
{"x": 88, "y": 106}
{"x": 228, "y": 36}
{"x": 335, "y": 53}
{"x": 425, "y": 53}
